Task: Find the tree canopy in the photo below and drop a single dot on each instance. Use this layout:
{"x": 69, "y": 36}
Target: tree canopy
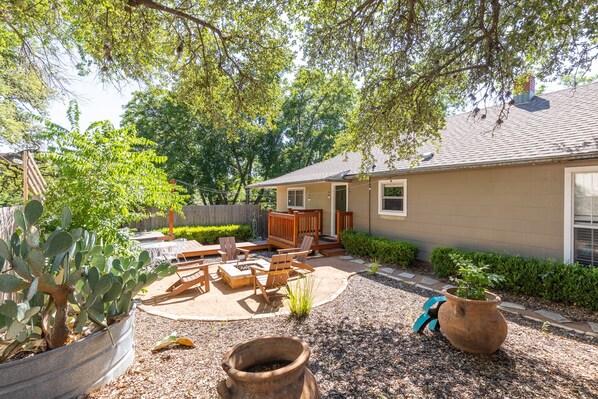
{"x": 217, "y": 166}
{"x": 107, "y": 177}
{"x": 413, "y": 59}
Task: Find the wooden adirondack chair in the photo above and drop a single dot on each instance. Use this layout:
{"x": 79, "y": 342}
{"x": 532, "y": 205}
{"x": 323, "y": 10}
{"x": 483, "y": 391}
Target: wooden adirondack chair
{"x": 197, "y": 279}
{"x": 300, "y": 253}
{"x": 274, "y": 276}
{"x": 229, "y": 251}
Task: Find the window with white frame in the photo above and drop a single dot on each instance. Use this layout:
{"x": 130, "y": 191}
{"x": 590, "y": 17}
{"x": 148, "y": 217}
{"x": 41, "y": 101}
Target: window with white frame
{"x": 296, "y": 197}
{"x": 392, "y": 197}
{"x": 584, "y": 216}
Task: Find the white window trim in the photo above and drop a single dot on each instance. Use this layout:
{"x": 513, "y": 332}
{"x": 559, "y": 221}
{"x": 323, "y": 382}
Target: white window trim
{"x": 393, "y": 182}
{"x": 333, "y": 202}
{"x": 569, "y": 246}
{"x": 295, "y": 189}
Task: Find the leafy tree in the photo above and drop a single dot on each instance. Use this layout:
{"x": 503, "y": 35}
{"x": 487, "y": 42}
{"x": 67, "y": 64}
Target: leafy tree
{"x": 24, "y": 92}
{"x": 218, "y": 165}
{"x": 107, "y": 177}
{"x": 574, "y": 80}
{"x": 415, "y": 58}
{"x": 315, "y": 110}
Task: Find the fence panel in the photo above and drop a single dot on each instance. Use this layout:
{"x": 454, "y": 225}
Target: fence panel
{"x": 7, "y": 227}
{"x": 211, "y": 215}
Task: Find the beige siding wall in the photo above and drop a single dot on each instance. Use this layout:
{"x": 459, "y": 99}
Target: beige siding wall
{"x": 517, "y": 209}
{"x": 514, "y": 209}
{"x": 316, "y": 197}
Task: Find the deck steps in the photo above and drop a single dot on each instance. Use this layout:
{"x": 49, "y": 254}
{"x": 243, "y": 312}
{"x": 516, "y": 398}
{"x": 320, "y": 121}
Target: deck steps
{"x": 333, "y": 252}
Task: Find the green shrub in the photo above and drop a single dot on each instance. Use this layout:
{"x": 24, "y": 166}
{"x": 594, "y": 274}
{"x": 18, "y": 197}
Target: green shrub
{"x": 384, "y": 250}
{"x": 210, "y": 234}
{"x": 571, "y": 284}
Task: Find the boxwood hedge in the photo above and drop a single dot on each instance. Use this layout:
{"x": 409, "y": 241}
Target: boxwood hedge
{"x": 571, "y": 284}
{"x": 382, "y": 249}
{"x": 210, "y": 234}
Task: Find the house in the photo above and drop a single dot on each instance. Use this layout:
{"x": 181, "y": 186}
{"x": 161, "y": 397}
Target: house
{"x": 528, "y": 188}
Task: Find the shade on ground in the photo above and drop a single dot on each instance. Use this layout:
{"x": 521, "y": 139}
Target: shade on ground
{"x": 225, "y": 303}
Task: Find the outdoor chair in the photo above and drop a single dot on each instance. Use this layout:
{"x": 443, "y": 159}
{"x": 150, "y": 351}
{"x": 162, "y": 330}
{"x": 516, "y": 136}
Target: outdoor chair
{"x": 199, "y": 278}
{"x": 229, "y": 251}
{"x": 300, "y": 253}
{"x": 275, "y": 276}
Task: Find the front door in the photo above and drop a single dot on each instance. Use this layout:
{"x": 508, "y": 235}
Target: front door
{"x": 340, "y": 202}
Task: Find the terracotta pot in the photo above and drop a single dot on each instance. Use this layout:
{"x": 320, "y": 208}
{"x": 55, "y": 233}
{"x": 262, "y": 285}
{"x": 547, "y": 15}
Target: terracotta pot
{"x": 470, "y": 325}
{"x": 293, "y": 381}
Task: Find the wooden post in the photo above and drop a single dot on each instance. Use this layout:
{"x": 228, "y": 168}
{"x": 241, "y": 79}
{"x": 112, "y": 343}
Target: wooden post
{"x": 338, "y": 226}
{"x": 25, "y": 176}
{"x": 171, "y": 216}
{"x": 269, "y": 216}
{"x": 295, "y": 228}
{"x": 318, "y": 221}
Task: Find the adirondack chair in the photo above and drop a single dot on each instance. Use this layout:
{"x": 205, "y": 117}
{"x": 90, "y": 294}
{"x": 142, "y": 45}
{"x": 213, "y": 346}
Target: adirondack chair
{"x": 300, "y": 253}
{"x": 229, "y": 251}
{"x": 274, "y": 276}
{"x": 197, "y": 279}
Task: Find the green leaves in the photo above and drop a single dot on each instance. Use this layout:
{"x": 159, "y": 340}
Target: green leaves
{"x": 10, "y": 283}
{"x": 58, "y": 243}
{"x": 33, "y": 211}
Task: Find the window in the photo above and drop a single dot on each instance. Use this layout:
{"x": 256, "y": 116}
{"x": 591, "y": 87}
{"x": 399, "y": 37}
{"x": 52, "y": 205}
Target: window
{"x": 581, "y": 217}
{"x": 296, "y": 197}
{"x": 392, "y": 197}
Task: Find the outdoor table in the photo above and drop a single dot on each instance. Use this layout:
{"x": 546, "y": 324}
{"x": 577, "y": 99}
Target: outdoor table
{"x": 147, "y": 236}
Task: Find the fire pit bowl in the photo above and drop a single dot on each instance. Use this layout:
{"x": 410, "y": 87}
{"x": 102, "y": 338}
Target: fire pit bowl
{"x": 268, "y": 368}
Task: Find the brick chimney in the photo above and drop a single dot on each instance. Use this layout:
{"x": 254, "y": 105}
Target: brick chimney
{"x": 525, "y": 89}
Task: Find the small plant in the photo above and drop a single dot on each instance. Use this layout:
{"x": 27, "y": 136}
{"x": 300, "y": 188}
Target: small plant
{"x": 474, "y": 279}
{"x": 300, "y": 296}
{"x": 373, "y": 267}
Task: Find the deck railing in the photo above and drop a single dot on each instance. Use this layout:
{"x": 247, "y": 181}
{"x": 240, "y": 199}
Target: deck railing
{"x": 344, "y": 221}
{"x": 320, "y": 211}
{"x": 290, "y": 228}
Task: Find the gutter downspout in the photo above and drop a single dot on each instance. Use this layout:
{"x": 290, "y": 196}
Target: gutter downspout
{"x": 369, "y": 205}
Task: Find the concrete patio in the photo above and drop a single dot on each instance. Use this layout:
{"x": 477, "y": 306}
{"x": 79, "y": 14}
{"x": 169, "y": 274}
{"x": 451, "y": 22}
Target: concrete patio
{"x": 224, "y": 303}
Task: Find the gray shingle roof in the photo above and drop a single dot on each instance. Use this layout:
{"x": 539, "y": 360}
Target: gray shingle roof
{"x": 558, "y": 125}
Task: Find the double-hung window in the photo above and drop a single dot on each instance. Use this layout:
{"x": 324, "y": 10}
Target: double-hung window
{"x": 392, "y": 197}
{"x": 581, "y": 217}
{"x": 296, "y": 198}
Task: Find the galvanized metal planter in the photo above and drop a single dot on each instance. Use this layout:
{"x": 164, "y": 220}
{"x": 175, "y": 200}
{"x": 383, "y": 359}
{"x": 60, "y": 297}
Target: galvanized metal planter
{"x": 74, "y": 369}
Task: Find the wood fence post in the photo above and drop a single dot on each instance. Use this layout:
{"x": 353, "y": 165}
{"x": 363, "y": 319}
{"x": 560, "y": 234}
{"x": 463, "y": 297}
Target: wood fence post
{"x": 295, "y": 227}
{"x": 338, "y": 226}
{"x": 25, "y": 176}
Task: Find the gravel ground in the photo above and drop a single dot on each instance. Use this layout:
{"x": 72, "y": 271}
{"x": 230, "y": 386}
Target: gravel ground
{"x": 363, "y": 347}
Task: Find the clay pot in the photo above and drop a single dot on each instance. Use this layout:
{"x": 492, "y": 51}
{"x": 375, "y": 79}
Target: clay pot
{"x": 470, "y": 325}
{"x": 293, "y": 381}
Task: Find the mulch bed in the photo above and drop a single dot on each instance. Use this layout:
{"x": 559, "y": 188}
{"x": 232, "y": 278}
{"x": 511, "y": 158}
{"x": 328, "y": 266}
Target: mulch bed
{"x": 363, "y": 347}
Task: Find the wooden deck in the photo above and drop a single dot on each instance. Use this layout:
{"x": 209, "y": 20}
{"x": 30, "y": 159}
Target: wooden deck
{"x": 192, "y": 248}
{"x": 325, "y": 242}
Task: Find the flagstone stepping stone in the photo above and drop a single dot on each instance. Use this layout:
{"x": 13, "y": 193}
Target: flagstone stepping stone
{"x": 593, "y": 326}
{"x": 345, "y": 257}
{"x": 387, "y": 270}
{"x": 406, "y": 275}
{"x": 429, "y": 281}
{"x": 559, "y": 318}
{"x": 359, "y": 261}
{"x": 512, "y": 305}
{"x": 448, "y": 286}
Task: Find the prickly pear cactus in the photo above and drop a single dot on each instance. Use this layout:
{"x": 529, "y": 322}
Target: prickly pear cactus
{"x": 62, "y": 274}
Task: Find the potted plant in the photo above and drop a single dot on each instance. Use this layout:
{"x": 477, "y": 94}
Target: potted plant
{"x": 73, "y": 310}
{"x": 470, "y": 318}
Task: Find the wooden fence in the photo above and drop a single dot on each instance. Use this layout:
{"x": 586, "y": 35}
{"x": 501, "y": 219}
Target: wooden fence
{"x": 211, "y": 215}
{"x": 7, "y": 227}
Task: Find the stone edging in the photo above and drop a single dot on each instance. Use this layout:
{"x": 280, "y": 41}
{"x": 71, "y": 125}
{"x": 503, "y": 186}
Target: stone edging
{"x": 248, "y": 317}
